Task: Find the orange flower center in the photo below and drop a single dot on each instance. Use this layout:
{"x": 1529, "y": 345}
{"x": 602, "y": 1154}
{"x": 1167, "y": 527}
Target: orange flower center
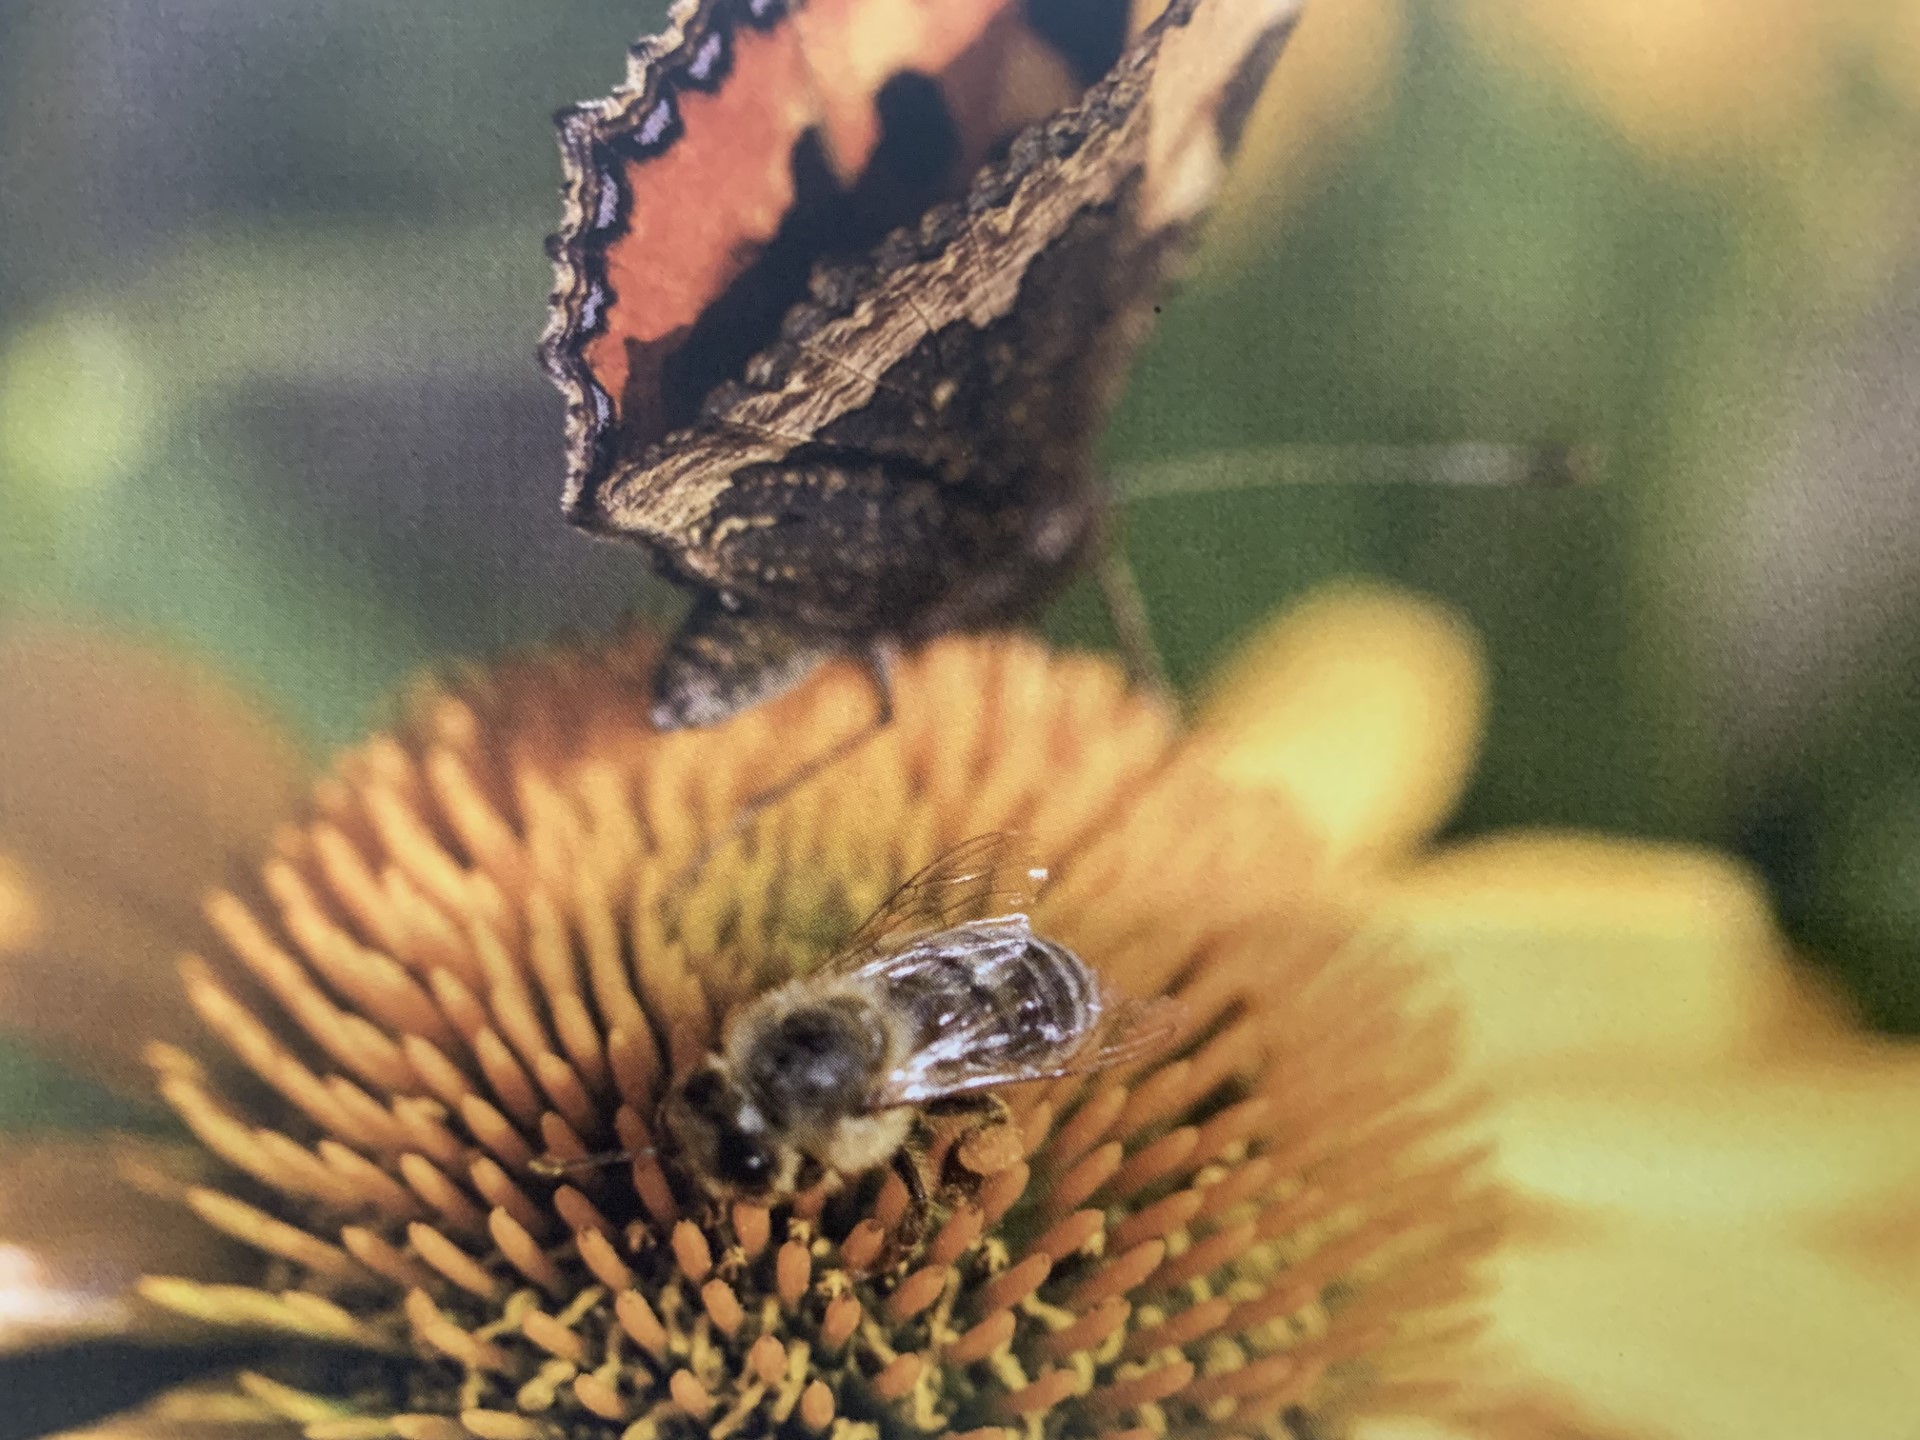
{"x": 477, "y": 953}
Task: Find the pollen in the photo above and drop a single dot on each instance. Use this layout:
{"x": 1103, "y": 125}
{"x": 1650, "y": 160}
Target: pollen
{"x": 504, "y": 928}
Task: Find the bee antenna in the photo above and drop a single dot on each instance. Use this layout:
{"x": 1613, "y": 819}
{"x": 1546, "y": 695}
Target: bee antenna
{"x": 552, "y": 1167}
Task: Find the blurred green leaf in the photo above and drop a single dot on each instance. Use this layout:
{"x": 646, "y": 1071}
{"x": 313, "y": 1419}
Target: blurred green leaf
{"x": 37, "y": 1094}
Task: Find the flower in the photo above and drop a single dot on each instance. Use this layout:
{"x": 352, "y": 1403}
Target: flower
{"x": 1712, "y": 1165}
{"x": 1693, "y": 1139}
{"x": 481, "y": 949}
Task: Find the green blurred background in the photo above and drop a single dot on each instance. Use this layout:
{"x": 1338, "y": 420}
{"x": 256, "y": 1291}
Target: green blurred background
{"x": 271, "y": 277}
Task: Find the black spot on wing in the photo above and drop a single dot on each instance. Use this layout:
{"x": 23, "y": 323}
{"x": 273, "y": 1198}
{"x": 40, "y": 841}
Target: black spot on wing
{"x": 1089, "y": 34}
{"x": 910, "y": 170}
{"x": 1243, "y": 90}
{"x": 918, "y": 147}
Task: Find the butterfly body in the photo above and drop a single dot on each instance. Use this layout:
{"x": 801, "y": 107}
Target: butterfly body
{"x": 880, "y": 425}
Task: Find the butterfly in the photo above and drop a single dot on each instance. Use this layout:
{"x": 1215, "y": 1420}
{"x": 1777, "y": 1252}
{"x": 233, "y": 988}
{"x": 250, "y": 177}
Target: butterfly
{"x": 845, "y": 291}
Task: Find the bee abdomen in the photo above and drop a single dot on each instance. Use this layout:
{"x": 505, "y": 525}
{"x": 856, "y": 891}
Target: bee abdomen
{"x": 1044, "y": 1000}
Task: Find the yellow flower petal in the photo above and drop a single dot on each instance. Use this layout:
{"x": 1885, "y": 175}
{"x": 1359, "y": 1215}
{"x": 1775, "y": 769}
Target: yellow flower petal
{"x": 1364, "y": 705}
{"x": 1896, "y": 51}
{"x": 133, "y": 766}
{"x": 1805, "y": 1149}
{"x": 76, "y": 1231}
{"x": 1883, "y": 1247}
{"x": 1406, "y": 1427}
{"x": 1577, "y": 950}
{"x": 22, "y": 917}
{"x": 1339, "y": 72}
{"x": 1679, "y": 76}
{"x": 1691, "y": 1332}
{"x": 97, "y": 971}
{"x": 129, "y": 784}
{"x": 193, "y": 1412}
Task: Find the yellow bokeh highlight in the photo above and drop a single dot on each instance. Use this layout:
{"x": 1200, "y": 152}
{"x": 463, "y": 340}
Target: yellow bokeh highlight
{"x": 1675, "y": 75}
{"x": 77, "y": 404}
{"x": 22, "y": 919}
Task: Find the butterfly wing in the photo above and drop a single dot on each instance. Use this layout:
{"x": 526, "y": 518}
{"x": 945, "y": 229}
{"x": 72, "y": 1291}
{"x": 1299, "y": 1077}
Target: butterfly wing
{"x": 1054, "y": 258}
{"x": 818, "y": 363}
{"x": 748, "y": 140}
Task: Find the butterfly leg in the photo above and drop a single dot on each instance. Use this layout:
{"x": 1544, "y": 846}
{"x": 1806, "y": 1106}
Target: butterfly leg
{"x": 1127, "y": 609}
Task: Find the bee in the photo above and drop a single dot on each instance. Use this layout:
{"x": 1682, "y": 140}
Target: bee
{"x": 944, "y": 996}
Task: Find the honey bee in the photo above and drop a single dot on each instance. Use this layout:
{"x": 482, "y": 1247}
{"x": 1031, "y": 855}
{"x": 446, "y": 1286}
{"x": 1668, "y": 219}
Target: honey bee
{"x": 940, "y": 999}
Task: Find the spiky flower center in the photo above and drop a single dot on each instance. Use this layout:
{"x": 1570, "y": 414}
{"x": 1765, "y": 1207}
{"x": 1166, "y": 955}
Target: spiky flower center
{"x": 477, "y": 955}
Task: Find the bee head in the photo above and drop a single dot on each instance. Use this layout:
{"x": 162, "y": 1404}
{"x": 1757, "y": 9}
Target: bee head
{"x": 722, "y": 1135}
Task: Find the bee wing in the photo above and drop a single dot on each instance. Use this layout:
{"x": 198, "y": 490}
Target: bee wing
{"x": 975, "y": 1051}
{"x": 989, "y": 877}
{"x": 1129, "y": 1030}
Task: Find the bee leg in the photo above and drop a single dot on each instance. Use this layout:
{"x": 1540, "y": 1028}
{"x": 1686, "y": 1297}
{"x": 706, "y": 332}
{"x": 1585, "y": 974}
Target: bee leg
{"x": 909, "y": 1163}
{"x": 986, "y": 1106}
{"x": 983, "y": 1112}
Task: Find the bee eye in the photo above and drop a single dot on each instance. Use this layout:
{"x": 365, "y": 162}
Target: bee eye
{"x": 702, "y": 1090}
{"x": 743, "y": 1161}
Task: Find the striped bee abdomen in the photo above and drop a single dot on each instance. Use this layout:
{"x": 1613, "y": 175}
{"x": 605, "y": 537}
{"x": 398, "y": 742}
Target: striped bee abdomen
{"x": 994, "y": 996}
